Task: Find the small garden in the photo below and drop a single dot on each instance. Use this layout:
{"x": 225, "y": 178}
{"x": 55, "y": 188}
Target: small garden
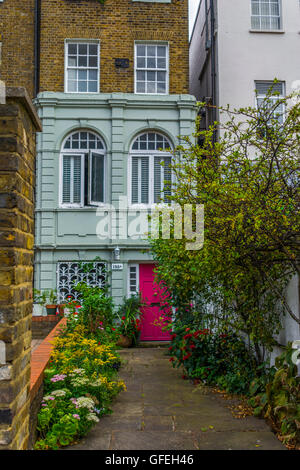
{"x": 229, "y": 297}
{"x": 81, "y": 379}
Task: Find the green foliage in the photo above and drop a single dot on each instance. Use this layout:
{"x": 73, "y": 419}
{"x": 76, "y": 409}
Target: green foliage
{"x": 215, "y": 359}
{"x": 79, "y": 386}
{"x": 129, "y": 315}
{"x": 280, "y": 399}
{"x": 248, "y": 182}
{"x": 80, "y": 383}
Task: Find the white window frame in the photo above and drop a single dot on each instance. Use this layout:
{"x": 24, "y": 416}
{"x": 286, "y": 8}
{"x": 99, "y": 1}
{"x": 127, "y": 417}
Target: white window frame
{"x": 259, "y": 16}
{"x": 129, "y": 292}
{"x": 82, "y": 155}
{"x": 66, "y": 68}
{"x": 274, "y": 98}
{"x": 167, "y": 70}
{"x": 150, "y": 154}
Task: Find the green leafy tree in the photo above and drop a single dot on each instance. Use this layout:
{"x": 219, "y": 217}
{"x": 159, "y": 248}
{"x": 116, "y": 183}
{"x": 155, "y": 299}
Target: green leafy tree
{"x": 248, "y": 181}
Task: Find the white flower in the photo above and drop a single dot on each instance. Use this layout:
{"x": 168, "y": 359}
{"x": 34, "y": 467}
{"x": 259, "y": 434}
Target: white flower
{"x": 92, "y": 417}
{"x": 84, "y": 402}
{"x": 59, "y": 393}
{"x": 48, "y": 397}
{"x": 78, "y": 381}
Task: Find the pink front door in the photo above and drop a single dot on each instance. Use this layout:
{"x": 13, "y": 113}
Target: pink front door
{"x": 154, "y": 297}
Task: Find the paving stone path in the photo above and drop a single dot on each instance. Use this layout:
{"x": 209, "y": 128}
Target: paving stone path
{"x": 160, "y": 411}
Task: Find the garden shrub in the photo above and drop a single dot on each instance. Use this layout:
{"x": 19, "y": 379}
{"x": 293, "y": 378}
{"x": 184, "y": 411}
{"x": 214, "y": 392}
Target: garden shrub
{"x": 280, "y": 399}
{"x": 215, "y": 359}
{"x": 79, "y": 386}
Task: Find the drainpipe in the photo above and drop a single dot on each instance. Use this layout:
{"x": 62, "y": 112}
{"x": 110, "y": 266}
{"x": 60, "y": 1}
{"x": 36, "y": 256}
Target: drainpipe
{"x": 213, "y": 60}
{"x": 37, "y": 18}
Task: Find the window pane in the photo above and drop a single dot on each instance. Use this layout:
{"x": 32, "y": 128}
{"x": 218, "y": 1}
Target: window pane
{"x": 151, "y": 76}
{"x": 141, "y": 87}
{"x": 151, "y": 87}
{"x": 93, "y": 61}
{"x": 82, "y": 61}
{"x": 72, "y": 61}
{"x": 151, "y": 63}
{"x": 92, "y": 74}
{"x": 140, "y": 75}
{"x": 161, "y": 87}
{"x": 151, "y": 51}
{"x": 82, "y": 74}
{"x": 141, "y": 62}
{"x": 161, "y": 51}
{"x": 82, "y": 87}
{"x": 82, "y": 49}
{"x": 92, "y": 88}
{"x": 72, "y": 49}
{"x": 141, "y": 50}
{"x": 93, "y": 49}
{"x": 72, "y": 85}
{"x": 161, "y": 63}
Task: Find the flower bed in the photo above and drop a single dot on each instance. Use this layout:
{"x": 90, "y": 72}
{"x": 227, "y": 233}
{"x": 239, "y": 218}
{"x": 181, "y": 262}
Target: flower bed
{"x": 78, "y": 387}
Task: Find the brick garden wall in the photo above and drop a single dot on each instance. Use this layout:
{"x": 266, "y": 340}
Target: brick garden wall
{"x": 18, "y": 124}
{"x": 17, "y": 39}
{"x": 117, "y": 24}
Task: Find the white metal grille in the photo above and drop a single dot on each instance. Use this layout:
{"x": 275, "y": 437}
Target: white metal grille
{"x": 69, "y": 273}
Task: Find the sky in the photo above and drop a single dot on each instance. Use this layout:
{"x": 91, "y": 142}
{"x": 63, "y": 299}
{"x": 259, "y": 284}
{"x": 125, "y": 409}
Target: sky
{"x": 193, "y": 7}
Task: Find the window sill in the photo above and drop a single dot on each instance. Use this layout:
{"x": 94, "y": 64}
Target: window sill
{"x": 271, "y": 31}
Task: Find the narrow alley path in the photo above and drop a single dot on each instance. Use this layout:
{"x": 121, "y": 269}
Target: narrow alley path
{"x": 160, "y": 411}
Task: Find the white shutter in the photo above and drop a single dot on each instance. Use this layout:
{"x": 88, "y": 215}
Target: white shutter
{"x": 158, "y": 179}
{"x": 140, "y": 180}
{"x": 66, "y": 180}
{"x": 72, "y": 179}
{"x": 167, "y": 179}
{"x": 77, "y": 179}
{"x": 162, "y": 179}
{"x": 96, "y": 178}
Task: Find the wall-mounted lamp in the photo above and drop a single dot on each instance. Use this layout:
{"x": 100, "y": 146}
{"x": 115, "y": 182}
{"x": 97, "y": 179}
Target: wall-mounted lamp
{"x": 117, "y": 253}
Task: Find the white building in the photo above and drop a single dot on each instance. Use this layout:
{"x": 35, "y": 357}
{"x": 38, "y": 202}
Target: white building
{"x": 237, "y": 47}
{"x": 253, "y": 41}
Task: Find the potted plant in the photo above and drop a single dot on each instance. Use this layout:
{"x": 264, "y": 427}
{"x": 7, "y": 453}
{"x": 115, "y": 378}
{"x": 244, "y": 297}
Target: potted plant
{"x": 129, "y": 315}
{"x": 51, "y": 306}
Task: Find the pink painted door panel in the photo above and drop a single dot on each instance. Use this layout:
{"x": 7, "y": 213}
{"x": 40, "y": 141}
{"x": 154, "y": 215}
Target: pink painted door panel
{"x": 153, "y": 296}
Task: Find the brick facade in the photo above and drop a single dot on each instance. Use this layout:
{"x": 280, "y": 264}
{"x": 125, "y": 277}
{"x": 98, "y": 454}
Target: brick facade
{"x": 18, "y": 123}
{"x": 117, "y": 24}
{"x": 17, "y": 39}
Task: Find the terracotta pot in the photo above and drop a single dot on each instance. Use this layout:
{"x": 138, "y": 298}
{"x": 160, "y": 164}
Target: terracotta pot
{"x": 51, "y": 309}
{"x": 61, "y": 309}
{"x": 124, "y": 341}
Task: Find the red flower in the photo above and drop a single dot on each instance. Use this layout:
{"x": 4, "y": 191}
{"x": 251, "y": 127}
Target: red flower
{"x": 123, "y": 318}
{"x": 173, "y": 336}
{"x": 171, "y": 359}
{"x": 187, "y": 329}
{"x": 188, "y": 336}
{"x": 113, "y": 329}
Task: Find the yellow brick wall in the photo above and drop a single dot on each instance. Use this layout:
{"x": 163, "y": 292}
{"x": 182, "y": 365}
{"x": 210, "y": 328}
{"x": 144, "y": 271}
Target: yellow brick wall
{"x": 17, "y": 38}
{"x": 117, "y": 24}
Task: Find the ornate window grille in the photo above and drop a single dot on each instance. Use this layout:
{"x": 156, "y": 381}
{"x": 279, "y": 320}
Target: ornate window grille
{"x": 69, "y": 273}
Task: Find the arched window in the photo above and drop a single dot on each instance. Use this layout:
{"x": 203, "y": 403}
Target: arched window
{"x": 82, "y": 170}
{"x": 150, "y": 169}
